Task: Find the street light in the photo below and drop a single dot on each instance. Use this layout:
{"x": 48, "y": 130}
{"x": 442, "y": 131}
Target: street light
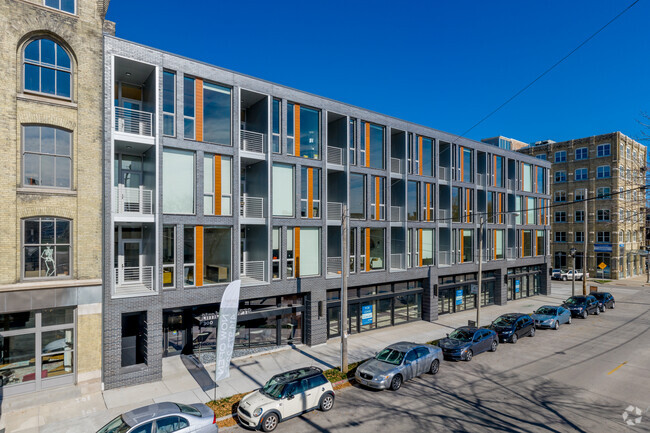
{"x": 572, "y": 253}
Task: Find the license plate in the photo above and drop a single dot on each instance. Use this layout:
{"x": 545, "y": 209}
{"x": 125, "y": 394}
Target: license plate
{"x": 364, "y": 382}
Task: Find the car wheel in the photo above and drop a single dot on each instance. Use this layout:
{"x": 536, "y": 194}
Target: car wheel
{"x": 469, "y": 355}
{"x": 513, "y": 339}
{"x": 613, "y": 305}
{"x": 563, "y": 278}
{"x": 435, "y": 366}
{"x": 557, "y": 325}
{"x": 493, "y": 348}
{"x": 584, "y": 314}
{"x": 326, "y": 402}
{"x": 270, "y": 422}
{"x": 396, "y": 383}
{"x": 532, "y": 332}
{"x": 604, "y": 307}
{"x": 597, "y": 311}
{"x": 570, "y": 318}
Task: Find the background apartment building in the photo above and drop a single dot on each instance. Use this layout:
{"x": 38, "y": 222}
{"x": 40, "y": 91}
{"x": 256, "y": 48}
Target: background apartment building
{"x": 612, "y": 169}
{"x": 505, "y": 142}
{"x": 50, "y": 189}
{"x": 214, "y": 176}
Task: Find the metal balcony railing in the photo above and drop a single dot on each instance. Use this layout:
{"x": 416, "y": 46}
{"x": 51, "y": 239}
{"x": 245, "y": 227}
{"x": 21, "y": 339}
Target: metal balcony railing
{"x": 334, "y": 266}
{"x": 252, "y": 141}
{"x": 334, "y": 211}
{"x": 252, "y": 207}
{"x": 253, "y": 272}
{"x": 334, "y": 155}
{"x": 133, "y": 280}
{"x": 135, "y": 201}
{"x": 133, "y": 121}
{"x": 443, "y": 215}
{"x": 511, "y": 184}
{"x": 396, "y": 165}
{"x": 444, "y": 173}
{"x": 511, "y": 253}
{"x": 480, "y": 179}
{"x": 445, "y": 258}
{"x": 397, "y": 213}
{"x": 397, "y": 261}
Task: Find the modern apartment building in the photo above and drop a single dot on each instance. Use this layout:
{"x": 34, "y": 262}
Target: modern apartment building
{"x": 505, "y": 142}
{"x": 51, "y": 192}
{"x": 612, "y": 169}
{"x": 213, "y": 176}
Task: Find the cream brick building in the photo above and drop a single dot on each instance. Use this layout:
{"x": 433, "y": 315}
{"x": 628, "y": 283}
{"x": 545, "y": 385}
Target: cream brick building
{"x": 50, "y": 192}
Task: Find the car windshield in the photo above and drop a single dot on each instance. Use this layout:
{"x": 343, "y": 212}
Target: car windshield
{"x": 546, "y": 310}
{"x": 575, "y": 301}
{"x": 273, "y": 388}
{"x": 504, "y": 321}
{"x": 115, "y": 426}
{"x": 598, "y": 295}
{"x": 461, "y": 334}
{"x": 390, "y": 356}
{"x": 189, "y": 409}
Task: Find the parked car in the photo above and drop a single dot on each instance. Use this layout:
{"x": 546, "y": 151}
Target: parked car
{"x": 582, "y": 306}
{"x": 398, "y": 363}
{"x": 605, "y": 300}
{"x": 163, "y": 418}
{"x": 510, "y": 327}
{"x": 284, "y": 396}
{"x": 550, "y": 316}
{"x": 558, "y": 274}
{"x": 567, "y": 274}
{"x": 465, "y": 342}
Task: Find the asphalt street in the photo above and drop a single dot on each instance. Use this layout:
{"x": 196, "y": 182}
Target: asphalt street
{"x": 580, "y": 378}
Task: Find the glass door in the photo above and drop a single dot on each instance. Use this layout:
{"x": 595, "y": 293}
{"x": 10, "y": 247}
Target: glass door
{"x": 353, "y": 318}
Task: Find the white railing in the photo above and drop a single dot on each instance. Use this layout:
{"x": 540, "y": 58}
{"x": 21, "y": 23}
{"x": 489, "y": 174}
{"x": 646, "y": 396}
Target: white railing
{"x": 252, "y": 207}
{"x": 397, "y": 261}
{"x": 252, "y": 141}
{"x": 132, "y": 200}
{"x": 396, "y": 165}
{"x": 334, "y": 265}
{"x": 133, "y": 280}
{"x": 443, "y": 215}
{"x": 480, "y": 179}
{"x": 444, "y": 258}
{"x": 396, "y": 213}
{"x": 513, "y": 219}
{"x": 511, "y": 253}
{"x": 133, "y": 121}
{"x": 253, "y": 270}
{"x": 334, "y": 155}
{"x": 511, "y": 184}
{"x": 334, "y": 211}
{"x": 444, "y": 173}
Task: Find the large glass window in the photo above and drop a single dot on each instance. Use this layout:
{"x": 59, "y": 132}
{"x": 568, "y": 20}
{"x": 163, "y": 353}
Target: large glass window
{"x": 169, "y": 103}
{"x": 498, "y": 171}
{"x": 189, "y": 112}
{"x": 375, "y": 248}
{"x": 46, "y": 247}
{"x": 530, "y": 210}
{"x": 541, "y": 243}
{"x": 466, "y": 245}
{"x": 277, "y": 108}
{"x": 216, "y": 114}
{"x": 581, "y": 174}
{"x": 603, "y": 172}
{"x": 303, "y": 131}
{"x": 309, "y": 251}
{"x": 582, "y": 153}
{"x": 498, "y": 244}
{"x": 310, "y": 192}
{"x": 283, "y": 190}
{"x": 47, "y": 157}
{"x": 527, "y": 177}
{"x": 357, "y": 196}
{"x": 378, "y": 198}
{"x": 527, "y": 243}
{"x": 178, "y": 181}
{"x": 466, "y": 165}
{"x": 412, "y": 201}
{"x": 427, "y": 247}
{"x": 217, "y": 188}
{"x": 604, "y": 150}
{"x": 427, "y": 156}
{"x": 47, "y": 68}
{"x": 217, "y": 243}
{"x": 169, "y": 256}
{"x": 62, "y": 5}
{"x": 372, "y": 143}
{"x": 188, "y": 256}
{"x": 290, "y": 250}
{"x": 560, "y": 156}
{"x": 275, "y": 250}
{"x": 456, "y": 193}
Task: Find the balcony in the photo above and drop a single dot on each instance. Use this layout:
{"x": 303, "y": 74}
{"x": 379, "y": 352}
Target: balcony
{"x": 132, "y": 201}
{"x": 334, "y": 155}
{"x": 443, "y": 215}
{"x": 334, "y": 211}
{"x": 334, "y": 267}
{"x": 397, "y": 262}
{"x": 511, "y": 253}
{"x": 445, "y": 258}
{"x": 511, "y": 184}
{"x": 252, "y": 273}
{"x": 396, "y": 165}
{"x": 251, "y": 141}
{"x": 136, "y": 281}
{"x": 252, "y": 207}
{"x": 132, "y": 121}
{"x": 444, "y": 173}
{"x": 396, "y": 213}
{"x": 480, "y": 179}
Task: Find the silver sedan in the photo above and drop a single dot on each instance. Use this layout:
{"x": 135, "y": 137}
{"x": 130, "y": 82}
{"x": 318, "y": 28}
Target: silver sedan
{"x": 397, "y": 363}
{"x": 164, "y": 418}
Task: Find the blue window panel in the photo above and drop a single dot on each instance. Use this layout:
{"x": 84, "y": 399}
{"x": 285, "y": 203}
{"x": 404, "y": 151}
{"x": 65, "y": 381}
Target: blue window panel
{"x": 32, "y": 77}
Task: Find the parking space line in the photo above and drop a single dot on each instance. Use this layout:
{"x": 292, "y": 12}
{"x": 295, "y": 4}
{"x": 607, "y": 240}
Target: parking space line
{"x": 617, "y": 368}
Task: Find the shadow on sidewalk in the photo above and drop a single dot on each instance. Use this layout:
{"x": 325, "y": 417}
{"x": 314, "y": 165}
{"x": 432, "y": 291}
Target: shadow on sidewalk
{"x": 198, "y": 372}
{"x": 302, "y": 352}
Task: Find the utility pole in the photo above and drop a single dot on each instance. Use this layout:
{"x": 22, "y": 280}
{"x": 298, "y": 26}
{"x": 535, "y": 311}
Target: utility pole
{"x": 345, "y": 268}
{"x": 584, "y": 258}
{"x": 572, "y": 252}
{"x": 480, "y": 273}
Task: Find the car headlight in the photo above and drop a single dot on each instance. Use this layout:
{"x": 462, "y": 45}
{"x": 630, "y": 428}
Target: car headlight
{"x": 257, "y": 412}
{"x": 548, "y": 321}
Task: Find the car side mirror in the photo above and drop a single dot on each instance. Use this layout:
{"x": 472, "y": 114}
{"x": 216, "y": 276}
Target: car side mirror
{"x": 290, "y": 397}
{"x": 447, "y": 335}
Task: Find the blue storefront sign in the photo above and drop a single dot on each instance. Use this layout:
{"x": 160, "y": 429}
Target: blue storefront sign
{"x": 603, "y": 248}
{"x": 517, "y": 282}
{"x": 366, "y": 314}
{"x": 459, "y": 296}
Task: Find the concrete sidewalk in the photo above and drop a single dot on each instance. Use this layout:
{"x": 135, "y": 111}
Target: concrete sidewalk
{"x": 86, "y": 408}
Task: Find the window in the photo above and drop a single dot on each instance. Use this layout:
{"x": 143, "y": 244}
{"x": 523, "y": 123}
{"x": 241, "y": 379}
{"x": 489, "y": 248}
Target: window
{"x": 580, "y": 216}
{"x": 134, "y": 339}
{"x": 217, "y": 188}
{"x": 603, "y": 172}
{"x": 627, "y": 153}
{"x": 602, "y": 215}
{"x": 530, "y": 210}
{"x": 560, "y": 176}
{"x": 560, "y": 156}
{"x": 582, "y": 153}
{"x": 309, "y": 260}
{"x": 581, "y": 174}
{"x": 357, "y": 196}
{"x": 603, "y": 237}
{"x": 178, "y": 181}
{"x": 498, "y": 170}
{"x": 540, "y": 243}
{"x": 466, "y": 245}
{"x": 277, "y": 108}
{"x": 560, "y": 216}
{"x": 498, "y": 243}
{"x": 372, "y": 138}
{"x": 168, "y": 256}
{"x": 290, "y": 250}
{"x": 47, "y": 68}
{"x": 171, "y": 424}
{"x": 426, "y": 249}
{"x": 456, "y": 197}
{"x": 216, "y": 114}
{"x": 560, "y": 196}
{"x": 603, "y": 150}
{"x": 541, "y": 156}
{"x": 47, "y": 157}
{"x": 427, "y": 156}
{"x": 560, "y": 236}
{"x": 378, "y": 198}
{"x": 303, "y": 131}
{"x": 466, "y": 161}
{"x": 527, "y": 243}
{"x": 188, "y": 256}
{"x": 46, "y": 247}
{"x": 188, "y": 108}
{"x": 602, "y": 193}
{"x": 169, "y": 103}
{"x": 541, "y": 180}
{"x": 62, "y": 5}
{"x": 310, "y": 192}
{"x": 374, "y": 248}
{"x": 275, "y": 250}
{"x": 580, "y": 237}
{"x": 217, "y": 243}
{"x": 412, "y": 201}
{"x": 428, "y": 202}
{"x": 634, "y": 154}
{"x": 353, "y": 141}
{"x": 580, "y": 194}
{"x": 283, "y": 190}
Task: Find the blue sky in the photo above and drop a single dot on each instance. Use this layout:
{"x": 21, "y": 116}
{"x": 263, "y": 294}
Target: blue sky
{"x": 438, "y": 63}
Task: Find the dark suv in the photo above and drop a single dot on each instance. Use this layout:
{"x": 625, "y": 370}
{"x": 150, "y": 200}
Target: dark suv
{"x": 582, "y": 306}
{"x": 511, "y": 326}
{"x": 605, "y": 300}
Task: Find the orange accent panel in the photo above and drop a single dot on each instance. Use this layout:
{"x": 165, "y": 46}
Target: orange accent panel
{"x": 428, "y": 202}
{"x": 367, "y": 144}
{"x": 420, "y": 246}
{"x": 198, "y": 255}
{"x": 377, "y": 198}
{"x": 420, "y": 155}
{"x": 367, "y": 249}
{"x": 296, "y": 250}
{"x": 217, "y": 184}
{"x": 199, "y": 109}
{"x": 296, "y": 130}
{"x": 310, "y": 192}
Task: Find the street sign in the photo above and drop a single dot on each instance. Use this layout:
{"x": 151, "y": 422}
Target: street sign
{"x": 366, "y": 314}
{"x": 474, "y": 289}
{"x": 602, "y": 265}
{"x": 459, "y": 296}
{"x": 471, "y": 323}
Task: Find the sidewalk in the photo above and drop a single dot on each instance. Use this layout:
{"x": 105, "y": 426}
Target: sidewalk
{"x": 86, "y": 408}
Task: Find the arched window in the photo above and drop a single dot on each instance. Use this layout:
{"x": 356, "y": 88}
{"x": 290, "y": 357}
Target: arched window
{"x": 47, "y": 157}
{"x": 46, "y": 247}
{"x": 47, "y": 68}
